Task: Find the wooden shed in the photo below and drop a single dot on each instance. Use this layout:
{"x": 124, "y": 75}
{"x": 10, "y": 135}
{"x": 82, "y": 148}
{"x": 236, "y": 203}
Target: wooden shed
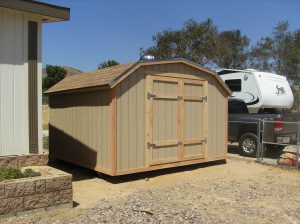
{"x": 139, "y": 116}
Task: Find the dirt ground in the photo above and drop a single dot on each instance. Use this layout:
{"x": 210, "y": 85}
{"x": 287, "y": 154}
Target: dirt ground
{"x": 232, "y": 192}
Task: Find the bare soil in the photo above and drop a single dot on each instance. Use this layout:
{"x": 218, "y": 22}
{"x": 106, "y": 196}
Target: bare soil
{"x": 233, "y": 192}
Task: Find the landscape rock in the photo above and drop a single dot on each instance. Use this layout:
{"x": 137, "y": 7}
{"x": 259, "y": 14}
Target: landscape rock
{"x": 11, "y": 205}
{"x": 38, "y": 201}
{"x": 58, "y": 183}
{"x": 19, "y": 188}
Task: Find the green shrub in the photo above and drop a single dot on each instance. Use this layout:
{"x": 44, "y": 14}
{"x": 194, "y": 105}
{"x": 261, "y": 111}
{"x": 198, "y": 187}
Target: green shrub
{"x": 46, "y": 142}
{"x": 30, "y": 173}
{"x": 8, "y": 173}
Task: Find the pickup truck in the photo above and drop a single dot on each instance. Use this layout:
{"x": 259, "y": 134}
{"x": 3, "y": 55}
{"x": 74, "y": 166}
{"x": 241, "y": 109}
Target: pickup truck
{"x": 243, "y": 128}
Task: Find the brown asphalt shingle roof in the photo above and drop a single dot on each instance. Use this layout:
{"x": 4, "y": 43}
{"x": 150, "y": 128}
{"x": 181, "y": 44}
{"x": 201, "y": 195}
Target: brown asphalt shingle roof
{"x": 95, "y": 78}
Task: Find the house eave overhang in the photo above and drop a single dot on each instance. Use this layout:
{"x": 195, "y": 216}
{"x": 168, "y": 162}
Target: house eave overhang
{"x": 48, "y": 12}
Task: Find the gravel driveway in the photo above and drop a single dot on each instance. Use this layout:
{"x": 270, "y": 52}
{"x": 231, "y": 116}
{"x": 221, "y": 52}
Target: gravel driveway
{"x": 236, "y": 192}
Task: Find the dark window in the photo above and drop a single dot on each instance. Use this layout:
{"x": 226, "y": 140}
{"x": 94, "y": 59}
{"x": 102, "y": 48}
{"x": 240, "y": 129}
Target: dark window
{"x": 234, "y": 84}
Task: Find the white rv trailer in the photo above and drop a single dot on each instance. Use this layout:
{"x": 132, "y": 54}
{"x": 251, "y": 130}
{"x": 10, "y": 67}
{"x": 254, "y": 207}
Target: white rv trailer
{"x": 258, "y": 89}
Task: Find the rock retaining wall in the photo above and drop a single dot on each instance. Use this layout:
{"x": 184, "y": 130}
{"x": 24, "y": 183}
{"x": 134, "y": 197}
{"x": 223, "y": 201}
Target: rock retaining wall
{"x": 51, "y": 190}
{"x": 24, "y": 160}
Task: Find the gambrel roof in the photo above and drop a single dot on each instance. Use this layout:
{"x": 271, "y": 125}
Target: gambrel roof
{"x": 111, "y": 76}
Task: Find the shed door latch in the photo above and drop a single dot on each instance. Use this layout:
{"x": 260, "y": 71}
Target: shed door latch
{"x": 204, "y": 98}
{"x": 151, "y": 95}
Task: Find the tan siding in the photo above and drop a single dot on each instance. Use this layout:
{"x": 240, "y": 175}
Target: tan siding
{"x": 80, "y": 128}
{"x": 216, "y": 121}
{"x": 131, "y": 143}
{"x": 164, "y": 127}
{"x": 216, "y": 107}
{"x": 192, "y": 150}
{"x": 193, "y": 120}
{"x": 88, "y": 139}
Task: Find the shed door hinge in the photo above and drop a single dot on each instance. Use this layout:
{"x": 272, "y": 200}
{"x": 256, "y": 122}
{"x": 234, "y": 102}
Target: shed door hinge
{"x": 204, "y": 98}
{"x": 151, "y": 95}
{"x": 150, "y": 145}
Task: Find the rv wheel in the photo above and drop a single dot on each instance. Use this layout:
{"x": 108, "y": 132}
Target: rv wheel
{"x": 248, "y": 144}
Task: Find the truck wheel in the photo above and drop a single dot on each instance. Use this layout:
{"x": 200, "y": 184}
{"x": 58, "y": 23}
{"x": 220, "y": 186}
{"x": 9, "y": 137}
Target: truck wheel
{"x": 248, "y": 144}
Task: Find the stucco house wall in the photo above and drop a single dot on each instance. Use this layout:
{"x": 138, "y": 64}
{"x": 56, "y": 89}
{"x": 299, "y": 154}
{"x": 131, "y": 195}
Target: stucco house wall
{"x": 15, "y": 84}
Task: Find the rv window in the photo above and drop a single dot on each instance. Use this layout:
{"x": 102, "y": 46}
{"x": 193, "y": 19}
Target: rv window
{"x": 234, "y": 85}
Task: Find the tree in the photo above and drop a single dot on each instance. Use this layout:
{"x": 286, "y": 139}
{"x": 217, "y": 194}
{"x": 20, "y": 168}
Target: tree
{"x": 201, "y": 40}
{"x": 54, "y": 75}
{"x": 203, "y": 44}
{"x": 278, "y": 52}
{"x": 107, "y": 63}
{"x": 232, "y": 49}
{"x": 260, "y": 55}
{"x": 195, "y": 42}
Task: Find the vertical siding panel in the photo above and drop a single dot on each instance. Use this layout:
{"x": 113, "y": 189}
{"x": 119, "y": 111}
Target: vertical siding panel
{"x": 124, "y": 125}
{"x": 222, "y": 121}
{"x": 100, "y": 134}
{"x": 7, "y": 83}
{"x": 106, "y": 135}
{"x": 219, "y": 124}
{"x": 1, "y": 72}
{"x": 141, "y": 140}
{"x": 79, "y": 128}
{"x": 132, "y": 146}
{"x": 18, "y": 82}
{"x": 25, "y": 83}
{"x": 211, "y": 121}
{"x": 119, "y": 127}
{"x": 131, "y": 143}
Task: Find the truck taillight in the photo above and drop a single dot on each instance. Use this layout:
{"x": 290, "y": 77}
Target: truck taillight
{"x": 278, "y": 124}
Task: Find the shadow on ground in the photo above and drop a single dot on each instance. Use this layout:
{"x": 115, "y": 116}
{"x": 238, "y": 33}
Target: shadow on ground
{"x": 271, "y": 153}
{"x": 81, "y": 173}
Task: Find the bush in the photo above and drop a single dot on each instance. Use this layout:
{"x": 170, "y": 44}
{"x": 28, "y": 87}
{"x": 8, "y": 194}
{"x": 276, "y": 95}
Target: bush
{"x": 8, "y": 173}
{"x": 30, "y": 173}
{"x": 46, "y": 142}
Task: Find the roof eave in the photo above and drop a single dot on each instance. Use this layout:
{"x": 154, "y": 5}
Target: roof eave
{"x": 48, "y": 12}
{"x": 83, "y": 89}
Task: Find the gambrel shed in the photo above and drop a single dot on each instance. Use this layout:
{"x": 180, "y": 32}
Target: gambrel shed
{"x": 139, "y": 116}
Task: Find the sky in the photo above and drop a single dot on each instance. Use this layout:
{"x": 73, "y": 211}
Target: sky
{"x": 101, "y": 30}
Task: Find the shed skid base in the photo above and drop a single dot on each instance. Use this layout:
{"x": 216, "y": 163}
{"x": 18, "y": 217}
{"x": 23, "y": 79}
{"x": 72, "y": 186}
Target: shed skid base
{"x": 143, "y": 169}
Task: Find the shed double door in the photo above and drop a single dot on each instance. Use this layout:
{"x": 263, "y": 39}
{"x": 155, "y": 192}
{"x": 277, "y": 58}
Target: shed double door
{"x": 176, "y": 130}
